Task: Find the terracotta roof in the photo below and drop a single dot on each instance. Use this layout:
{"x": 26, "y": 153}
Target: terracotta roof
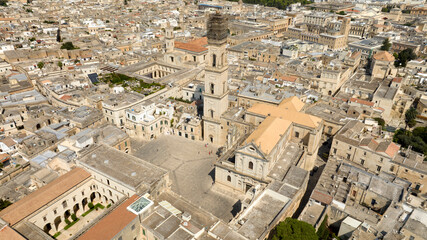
{"x": 355, "y": 54}
{"x": 268, "y": 133}
{"x": 65, "y": 97}
{"x": 8, "y": 233}
{"x": 190, "y": 47}
{"x": 203, "y": 41}
{"x": 288, "y": 110}
{"x": 397, "y": 79}
{"x": 321, "y": 197}
{"x": 31, "y": 203}
{"x": 4, "y": 157}
{"x": 113, "y": 223}
{"x": 292, "y": 103}
{"x": 8, "y": 141}
{"x": 384, "y": 56}
{"x": 392, "y": 149}
{"x": 289, "y": 78}
{"x": 360, "y": 101}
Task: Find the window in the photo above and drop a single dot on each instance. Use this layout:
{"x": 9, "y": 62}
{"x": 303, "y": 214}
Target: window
{"x": 229, "y": 178}
{"x": 83, "y": 193}
{"x": 213, "y": 60}
{"x": 364, "y": 153}
{"x": 335, "y": 150}
{"x": 382, "y": 159}
{"x": 126, "y": 144}
{"x": 362, "y": 162}
{"x": 297, "y": 134}
{"x": 349, "y": 147}
{"x": 44, "y": 218}
{"x": 251, "y": 165}
{"x": 120, "y": 238}
{"x": 378, "y": 168}
{"x": 108, "y": 182}
{"x": 391, "y": 168}
{"x": 348, "y": 156}
{"x": 74, "y": 198}
{"x": 133, "y": 227}
{"x": 212, "y": 88}
{"x": 143, "y": 232}
{"x": 54, "y": 211}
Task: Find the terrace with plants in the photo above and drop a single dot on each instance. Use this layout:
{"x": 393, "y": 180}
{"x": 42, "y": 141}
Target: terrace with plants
{"x": 131, "y": 83}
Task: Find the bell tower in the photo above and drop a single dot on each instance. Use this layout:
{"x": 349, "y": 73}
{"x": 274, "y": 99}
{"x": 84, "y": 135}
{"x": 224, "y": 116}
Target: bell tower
{"x": 216, "y": 78}
{"x": 170, "y": 39}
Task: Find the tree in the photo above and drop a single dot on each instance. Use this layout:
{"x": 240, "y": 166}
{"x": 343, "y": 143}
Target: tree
{"x": 293, "y": 229}
{"x": 68, "y": 46}
{"x": 60, "y": 65}
{"x": 323, "y": 231}
{"x": 404, "y": 57}
{"x": 380, "y": 121}
{"x": 126, "y": 2}
{"x": 58, "y": 35}
{"x": 40, "y": 65}
{"x": 3, "y": 3}
{"x": 386, "y": 45}
{"x": 4, "y": 204}
{"x": 341, "y": 13}
{"x": 410, "y": 116}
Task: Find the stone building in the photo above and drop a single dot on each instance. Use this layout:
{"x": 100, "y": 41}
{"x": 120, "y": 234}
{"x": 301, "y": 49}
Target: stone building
{"x": 353, "y": 143}
{"x": 382, "y": 65}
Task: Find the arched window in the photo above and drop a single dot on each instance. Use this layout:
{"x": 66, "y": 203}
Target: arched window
{"x": 64, "y": 204}
{"x": 229, "y": 178}
{"x": 251, "y": 165}
{"x": 213, "y": 60}
{"x": 212, "y": 88}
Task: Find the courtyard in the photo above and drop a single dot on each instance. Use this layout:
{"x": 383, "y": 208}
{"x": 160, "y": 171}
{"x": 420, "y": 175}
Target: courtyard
{"x": 191, "y": 172}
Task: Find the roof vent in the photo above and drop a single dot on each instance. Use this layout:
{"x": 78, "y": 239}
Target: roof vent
{"x": 186, "y": 216}
{"x": 133, "y": 174}
{"x": 106, "y": 161}
{"x": 94, "y": 155}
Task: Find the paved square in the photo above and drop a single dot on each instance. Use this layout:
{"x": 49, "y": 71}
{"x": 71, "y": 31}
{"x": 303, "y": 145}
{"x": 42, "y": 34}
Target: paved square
{"x": 191, "y": 168}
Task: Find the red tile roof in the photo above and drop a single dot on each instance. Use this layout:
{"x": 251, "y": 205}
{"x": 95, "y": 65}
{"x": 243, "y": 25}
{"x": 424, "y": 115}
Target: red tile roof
{"x": 384, "y": 56}
{"x": 203, "y": 41}
{"x": 113, "y": 223}
{"x": 392, "y": 149}
{"x": 321, "y": 197}
{"x": 65, "y": 97}
{"x": 360, "y": 101}
{"x": 190, "y": 47}
{"x": 34, "y": 201}
{"x": 289, "y": 78}
{"x": 397, "y": 79}
{"x": 8, "y": 233}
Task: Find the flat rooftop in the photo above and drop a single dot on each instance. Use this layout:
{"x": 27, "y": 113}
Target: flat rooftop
{"x": 129, "y": 170}
{"x": 264, "y": 210}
